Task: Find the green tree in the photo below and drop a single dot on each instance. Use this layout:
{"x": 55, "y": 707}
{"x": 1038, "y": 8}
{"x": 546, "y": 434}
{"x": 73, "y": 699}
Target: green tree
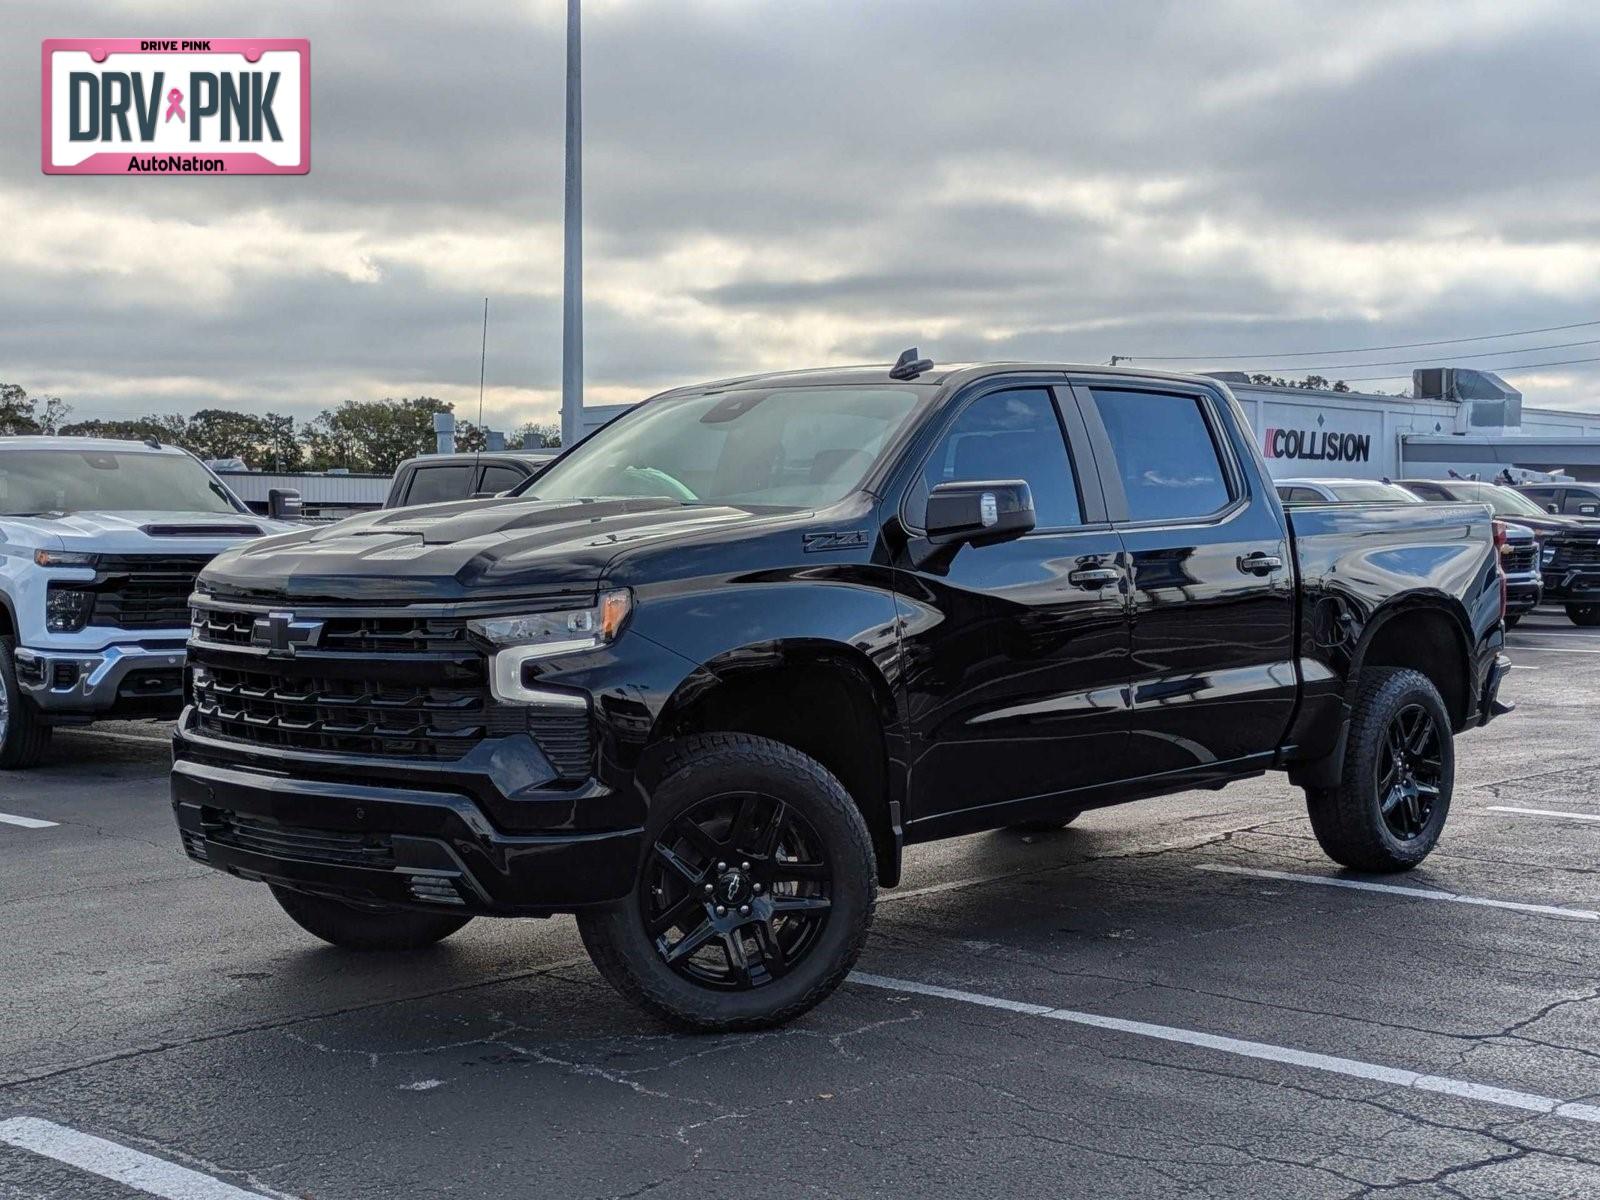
{"x": 223, "y": 433}
{"x": 169, "y": 429}
{"x": 528, "y": 435}
{"x": 281, "y": 450}
{"x": 372, "y": 435}
{"x": 21, "y": 413}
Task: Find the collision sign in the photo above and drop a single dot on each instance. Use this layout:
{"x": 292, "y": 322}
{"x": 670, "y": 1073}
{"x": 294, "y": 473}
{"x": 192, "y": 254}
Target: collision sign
{"x": 195, "y": 106}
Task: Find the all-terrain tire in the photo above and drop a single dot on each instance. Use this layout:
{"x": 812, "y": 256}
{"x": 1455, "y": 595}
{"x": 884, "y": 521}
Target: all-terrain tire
{"x": 354, "y": 928}
{"x": 704, "y": 770}
{"x": 1584, "y": 614}
{"x": 25, "y": 735}
{"x": 1046, "y": 824}
{"x": 1349, "y": 820}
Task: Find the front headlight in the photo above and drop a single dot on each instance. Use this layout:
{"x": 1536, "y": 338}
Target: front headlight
{"x": 524, "y": 639}
{"x": 1547, "y": 555}
{"x": 563, "y": 632}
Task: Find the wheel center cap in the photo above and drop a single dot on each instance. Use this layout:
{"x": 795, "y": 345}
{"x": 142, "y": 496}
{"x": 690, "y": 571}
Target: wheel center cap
{"x": 733, "y": 887}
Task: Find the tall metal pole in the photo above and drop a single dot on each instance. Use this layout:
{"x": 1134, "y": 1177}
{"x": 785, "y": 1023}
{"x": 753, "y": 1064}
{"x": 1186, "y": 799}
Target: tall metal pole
{"x": 572, "y": 283}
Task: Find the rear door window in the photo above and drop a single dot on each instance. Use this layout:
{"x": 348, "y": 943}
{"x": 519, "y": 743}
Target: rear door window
{"x": 1584, "y": 502}
{"x": 1166, "y": 454}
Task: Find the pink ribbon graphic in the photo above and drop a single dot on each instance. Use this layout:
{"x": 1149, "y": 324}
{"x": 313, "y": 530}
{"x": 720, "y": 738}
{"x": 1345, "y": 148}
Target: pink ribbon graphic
{"x": 175, "y": 105}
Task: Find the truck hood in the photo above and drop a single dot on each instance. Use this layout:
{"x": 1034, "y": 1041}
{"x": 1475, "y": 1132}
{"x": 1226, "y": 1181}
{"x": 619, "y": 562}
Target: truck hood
{"x": 133, "y": 532}
{"x": 450, "y": 551}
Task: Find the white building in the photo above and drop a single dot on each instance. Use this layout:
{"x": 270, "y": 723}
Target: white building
{"x": 1471, "y": 422}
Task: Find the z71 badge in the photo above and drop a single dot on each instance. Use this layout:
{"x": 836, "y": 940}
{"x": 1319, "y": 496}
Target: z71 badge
{"x": 149, "y": 106}
{"x": 835, "y": 541}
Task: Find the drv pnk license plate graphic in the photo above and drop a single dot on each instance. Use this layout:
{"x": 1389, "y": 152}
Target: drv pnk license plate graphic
{"x": 169, "y": 106}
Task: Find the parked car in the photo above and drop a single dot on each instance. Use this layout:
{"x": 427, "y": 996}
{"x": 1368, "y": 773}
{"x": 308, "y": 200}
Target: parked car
{"x": 1572, "y": 499}
{"x": 1342, "y": 491}
{"x": 1569, "y": 547}
{"x": 100, "y": 543}
{"x": 431, "y": 478}
{"x": 701, "y": 680}
{"x": 1519, "y": 558}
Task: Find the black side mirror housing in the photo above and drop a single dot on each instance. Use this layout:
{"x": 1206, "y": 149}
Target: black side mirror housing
{"x": 1552, "y": 508}
{"x": 976, "y": 513}
{"x": 283, "y": 504}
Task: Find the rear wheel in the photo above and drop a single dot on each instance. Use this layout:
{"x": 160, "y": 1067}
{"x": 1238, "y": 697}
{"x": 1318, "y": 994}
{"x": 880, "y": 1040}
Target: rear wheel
{"x": 24, "y": 734}
{"x": 755, "y": 894}
{"x": 1584, "y": 614}
{"x": 1047, "y": 824}
{"x": 356, "y": 928}
{"x": 1399, "y": 771}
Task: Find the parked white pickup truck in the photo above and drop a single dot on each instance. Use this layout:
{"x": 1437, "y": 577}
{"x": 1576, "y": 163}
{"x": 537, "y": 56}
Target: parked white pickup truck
{"x": 100, "y": 542}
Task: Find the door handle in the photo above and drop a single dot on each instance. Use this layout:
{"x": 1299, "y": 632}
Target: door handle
{"x": 1094, "y": 577}
{"x": 1260, "y": 563}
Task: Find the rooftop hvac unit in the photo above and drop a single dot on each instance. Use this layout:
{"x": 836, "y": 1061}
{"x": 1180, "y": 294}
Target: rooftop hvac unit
{"x": 1487, "y": 403}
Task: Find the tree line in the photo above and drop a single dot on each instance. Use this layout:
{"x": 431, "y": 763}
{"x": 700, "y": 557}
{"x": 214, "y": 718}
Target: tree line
{"x": 359, "y": 435}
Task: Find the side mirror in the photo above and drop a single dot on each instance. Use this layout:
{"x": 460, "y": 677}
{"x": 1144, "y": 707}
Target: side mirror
{"x": 1552, "y": 508}
{"x": 283, "y": 504}
{"x": 977, "y": 513}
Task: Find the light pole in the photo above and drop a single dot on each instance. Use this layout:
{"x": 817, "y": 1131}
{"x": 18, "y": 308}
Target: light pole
{"x": 572, "y": 280}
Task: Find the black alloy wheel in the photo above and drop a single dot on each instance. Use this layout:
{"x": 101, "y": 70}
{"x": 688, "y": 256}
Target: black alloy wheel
{"x": 737, "y": 891}
{"x": 1409, "y": 768}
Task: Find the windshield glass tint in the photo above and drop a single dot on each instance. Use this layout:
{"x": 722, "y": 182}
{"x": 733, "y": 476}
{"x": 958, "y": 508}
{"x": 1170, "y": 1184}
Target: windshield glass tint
{"x": 1508, "y": 503}
{"x": 49, "y": 481}
{"x": 796, "y": 447}
{"x": 1370, "y": 493}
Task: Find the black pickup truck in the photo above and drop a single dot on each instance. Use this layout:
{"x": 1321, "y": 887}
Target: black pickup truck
{"x": 703, "y": 678}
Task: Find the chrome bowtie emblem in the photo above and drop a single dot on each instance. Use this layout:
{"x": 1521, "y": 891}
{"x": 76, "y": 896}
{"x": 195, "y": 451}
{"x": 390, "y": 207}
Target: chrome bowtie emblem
{"x": 279, "y": 633}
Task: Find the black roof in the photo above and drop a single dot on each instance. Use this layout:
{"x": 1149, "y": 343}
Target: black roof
{"x": 954, "y": 374}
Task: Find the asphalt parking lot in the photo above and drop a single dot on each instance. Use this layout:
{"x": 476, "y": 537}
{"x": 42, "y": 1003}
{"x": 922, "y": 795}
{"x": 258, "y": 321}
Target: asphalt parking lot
{"x": 1179, "y": 997}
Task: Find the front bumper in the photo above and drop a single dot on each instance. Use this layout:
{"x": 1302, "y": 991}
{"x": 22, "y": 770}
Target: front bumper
{"x": 1572, "y": 585}
{"x": 416, "y": 840}
{"x": 1523, "y": 593}
{"x": 125, "y": 679}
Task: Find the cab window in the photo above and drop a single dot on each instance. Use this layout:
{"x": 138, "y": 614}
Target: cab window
{"x": 1010, "y": 435}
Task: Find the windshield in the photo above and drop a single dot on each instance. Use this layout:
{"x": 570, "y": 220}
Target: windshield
{"x": 800, "y": 447}
{"x": 1366, "y": 493}
{"x": 1504, "y": 501}
{"x": 36, "y": 482}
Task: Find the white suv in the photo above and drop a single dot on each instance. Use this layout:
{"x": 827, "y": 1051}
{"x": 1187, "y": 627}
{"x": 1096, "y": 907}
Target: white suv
{"x": 100, "y": 542}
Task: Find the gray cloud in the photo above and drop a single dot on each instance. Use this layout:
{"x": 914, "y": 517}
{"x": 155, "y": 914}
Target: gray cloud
{"x": 772, "y": 185}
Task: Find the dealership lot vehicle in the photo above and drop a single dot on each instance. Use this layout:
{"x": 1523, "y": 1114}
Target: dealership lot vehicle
{"x": 100, "y": 543}
{"x": 432, "y": 478}
{"x": 1569, "y": 547}
{"x": 1342, "y": 491}
{"x": 1519, "y": 559}
{"x": 182, "y": 1022}
{"x": 704, "y": 677}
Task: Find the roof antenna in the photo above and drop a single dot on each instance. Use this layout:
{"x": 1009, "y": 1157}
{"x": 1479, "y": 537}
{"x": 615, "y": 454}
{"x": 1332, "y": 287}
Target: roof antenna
{"x": 909, "y": 366}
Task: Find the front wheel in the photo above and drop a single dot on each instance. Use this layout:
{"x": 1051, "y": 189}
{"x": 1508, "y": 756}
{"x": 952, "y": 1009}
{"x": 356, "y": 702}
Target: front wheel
{"x": 1399, "y": 771}
{"x": 24, "y": 735}
{"x": 354, "y": 928}
{"x": 1584, "y": 614}
{"x": 755, "y": 894}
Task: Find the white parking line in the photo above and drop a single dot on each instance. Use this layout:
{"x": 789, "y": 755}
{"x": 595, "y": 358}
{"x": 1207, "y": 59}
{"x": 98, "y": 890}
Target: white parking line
{"x": 1361, "y": 885}
{"x": 155, "y": 1176}
{"x": 27, "y": 822}
{"x": 1552, "y": 649}
{"x": 1541, "y": 812}
{"x": 1394, "y": 1076}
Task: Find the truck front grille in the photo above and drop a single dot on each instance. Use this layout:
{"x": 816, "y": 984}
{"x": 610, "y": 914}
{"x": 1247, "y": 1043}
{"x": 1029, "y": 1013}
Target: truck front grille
{"x": 402, "y": 685}
{"x": 1521, "y": 559}
{"x": 287, "y": 707}
{"x": 138, "y": 591}
{"x": 1575, "y": 552}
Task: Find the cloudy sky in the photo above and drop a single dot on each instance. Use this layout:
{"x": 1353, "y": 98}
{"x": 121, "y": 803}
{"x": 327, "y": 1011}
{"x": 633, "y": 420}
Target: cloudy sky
{"x": 800, "y": 183}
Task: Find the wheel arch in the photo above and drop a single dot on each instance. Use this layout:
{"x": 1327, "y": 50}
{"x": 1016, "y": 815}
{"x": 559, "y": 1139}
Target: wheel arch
{"x": 1428, "y": 634}
{"x": 826, "y": 699}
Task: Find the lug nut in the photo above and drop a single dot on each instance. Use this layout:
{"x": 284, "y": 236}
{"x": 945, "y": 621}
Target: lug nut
{"x": 710, "y": 888}
{"x": 756, "y": 888}
{"x": 744, "y": 910}
{"x": 744, "y": 866}
{"x": 721, "y": 912}
{"x": 722, "y": 866}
